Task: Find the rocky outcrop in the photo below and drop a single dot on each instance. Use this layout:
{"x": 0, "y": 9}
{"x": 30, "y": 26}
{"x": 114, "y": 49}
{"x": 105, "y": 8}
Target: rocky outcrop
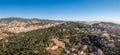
{"x": 58, "y": 43}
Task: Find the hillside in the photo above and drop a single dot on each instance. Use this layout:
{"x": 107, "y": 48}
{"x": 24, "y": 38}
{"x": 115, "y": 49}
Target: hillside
{"x": 67, "y": 38}
{"x": 17, "y": 25}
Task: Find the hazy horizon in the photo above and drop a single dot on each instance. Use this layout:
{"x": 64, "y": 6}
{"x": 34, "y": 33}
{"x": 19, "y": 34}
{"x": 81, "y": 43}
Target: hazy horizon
{"x": 66, "y": 20}
{"x": 68, "y": 10}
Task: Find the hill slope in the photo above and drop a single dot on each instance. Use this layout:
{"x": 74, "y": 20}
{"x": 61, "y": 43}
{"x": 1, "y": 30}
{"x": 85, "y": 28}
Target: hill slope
{"x": 67, "y": 38}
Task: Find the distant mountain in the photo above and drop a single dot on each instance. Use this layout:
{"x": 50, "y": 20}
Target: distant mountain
{"x": 10, "y": 19}
{"x": 108, "y": 26}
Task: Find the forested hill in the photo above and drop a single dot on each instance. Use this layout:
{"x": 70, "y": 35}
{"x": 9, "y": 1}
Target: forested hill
{"x": 68, "y": 38}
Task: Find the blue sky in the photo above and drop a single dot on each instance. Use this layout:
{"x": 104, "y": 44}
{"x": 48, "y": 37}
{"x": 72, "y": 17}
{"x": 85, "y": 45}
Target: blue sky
{"x": 76, "y": 10}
